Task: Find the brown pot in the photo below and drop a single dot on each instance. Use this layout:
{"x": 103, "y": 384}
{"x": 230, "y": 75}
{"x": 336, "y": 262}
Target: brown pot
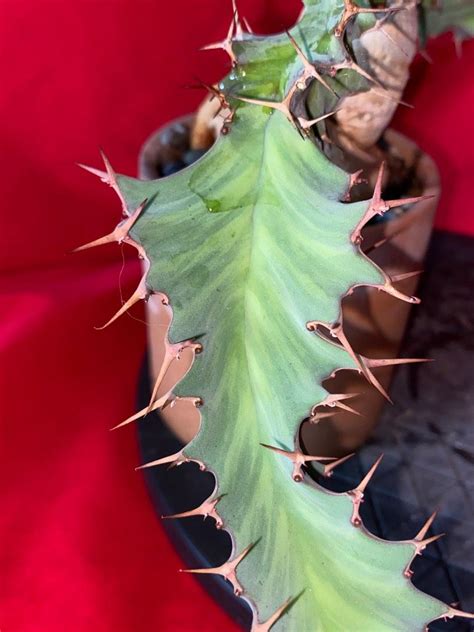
{"x": 374, "y": 321}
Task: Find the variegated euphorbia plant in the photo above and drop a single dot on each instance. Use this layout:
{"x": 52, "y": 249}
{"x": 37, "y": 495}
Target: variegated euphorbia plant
{"x": 253, "y": 248}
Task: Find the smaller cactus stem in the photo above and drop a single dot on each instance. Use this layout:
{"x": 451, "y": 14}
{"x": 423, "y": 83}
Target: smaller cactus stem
{"x": 357, "y": 494}
{"x": 226, "y": 570}
{"x": 207, "y": 510}
{"x": 299, "y": 459}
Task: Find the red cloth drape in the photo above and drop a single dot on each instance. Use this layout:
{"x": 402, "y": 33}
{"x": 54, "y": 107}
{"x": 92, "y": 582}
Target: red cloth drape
{"x": 80, "y": 546}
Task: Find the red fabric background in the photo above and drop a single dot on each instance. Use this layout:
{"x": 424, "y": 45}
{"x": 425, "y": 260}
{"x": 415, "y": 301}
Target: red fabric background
{"x": 80, "y": 547}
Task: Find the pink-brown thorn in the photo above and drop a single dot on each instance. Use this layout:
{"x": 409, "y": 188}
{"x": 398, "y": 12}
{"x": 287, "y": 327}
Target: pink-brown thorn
{"x": 357, "y": 494}
{"x": 333, "y": 400}
{"x": 162, "y": 402}
{"x": 298, "y": 459}
{"x": 235, "y": 32}
{"x": 108, "y": 177}
{"x": 226, "y": 570}
{"x": 207, "y": 509}
{"x": 351, "y": 10}
{"x": 420, "y": 541}
{"x": 378, "y": 206}
{"x": 309, "y": 69}
{"x": 354, "y": 179}
{"x": 337, "y": 331}
{"x": 330, "y": 467}
{"x": 172, "y": 460}
{"x": 265, "y": 626}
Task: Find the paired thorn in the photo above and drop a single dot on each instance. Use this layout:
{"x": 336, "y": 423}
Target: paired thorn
{"x": 108, "y": 177}
{"x": 160, "y": 403}
{"x": 379, "y": 206}
{"x": 235, "y": 32}
{"x": 119, "y": 234}
{"x": 333, "y": 400}
{"x": 337, "y": 331}
{"x": 354, "y": 179}
{"x": 351, "y": 10}
{"x": 306, "y": 124}
{"x": 207, "y": 509}
{"x": 309, "y": 69}
{"x": 226, "y": 570}
{"x": 163, "y": 402}
{"x": 357, "y": 494}
{"x": 172, "y": 460}
{"x": 276, "y": 616}
{"x": 330, "y": 467}
{"x": 299, "y": 459}
{"x": 172, "y": 352}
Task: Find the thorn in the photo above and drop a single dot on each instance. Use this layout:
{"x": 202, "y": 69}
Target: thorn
{"x": 421, "y": 545}
{"x": 350, "y": 64}
{"x": 306, "y": 124}
{"x": 337, "y": 331}
{"x": 454, "y": 612}
{"x": 281, "y": 106}
{"x": 374, "y": 363}
{"x": 112, "y": 182}
{"x": 172, "y": 352}
{"x": 226, "y": 570}
{"x": 270, "y": 622}
{"x": 309, "y": 69}
{"x": 234, "y": 32}
{"x": 334, "y": 401}
{"x": 357, "y": 494}
{"x": 406, "y": 275}
{"x": 318, "y": 416}
{"x": 119, "y": 234}
{"x": 328, "y": 469}
{"x": 247, "y": 26}
{"x": 96, "y": 172}
{"x": 351, "y": 10}
{"x": 298, "y": 458}
{"x": 175, "y": 459}
{"x": 207, "y": 509}
{"x": 378, "y": 206}
{"x": 424, "y": 529}
{"x": 354, "y": 179}
{"x": 158, "y": 404}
